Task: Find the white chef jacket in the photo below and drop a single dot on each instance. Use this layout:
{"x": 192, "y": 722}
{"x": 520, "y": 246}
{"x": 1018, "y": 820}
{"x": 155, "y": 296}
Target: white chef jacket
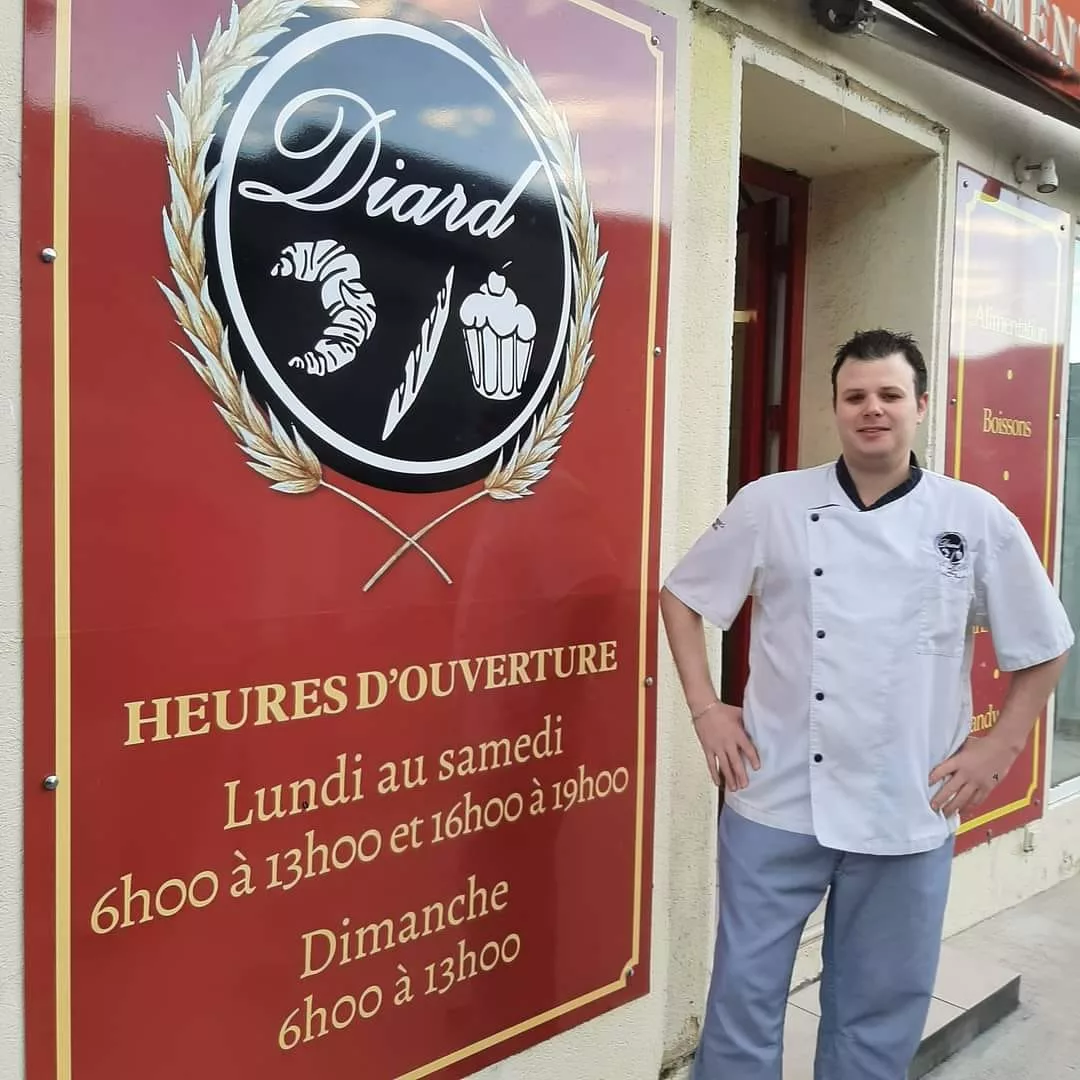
{"x": 861, "y": 643}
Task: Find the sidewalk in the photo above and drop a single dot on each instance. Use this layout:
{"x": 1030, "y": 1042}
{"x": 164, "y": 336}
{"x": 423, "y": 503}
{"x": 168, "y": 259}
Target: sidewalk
{"x": 1041, "y": 1039}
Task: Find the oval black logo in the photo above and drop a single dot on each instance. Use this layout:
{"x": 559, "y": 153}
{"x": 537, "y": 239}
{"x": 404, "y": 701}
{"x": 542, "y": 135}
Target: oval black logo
{"x": 388, "y": 246}
{"x": 952, "y": 547}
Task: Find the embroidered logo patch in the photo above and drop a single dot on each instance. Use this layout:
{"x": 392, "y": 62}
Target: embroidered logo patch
{"x": 952, "y": 548}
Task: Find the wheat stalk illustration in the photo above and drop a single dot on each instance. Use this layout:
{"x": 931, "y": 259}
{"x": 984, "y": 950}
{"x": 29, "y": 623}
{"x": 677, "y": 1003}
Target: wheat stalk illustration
{"x": 515, "y": 474}
{"x": 282, "y": 457}
{"x": 420, "y": 359}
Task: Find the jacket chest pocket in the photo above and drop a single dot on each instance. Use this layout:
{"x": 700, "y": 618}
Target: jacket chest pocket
{"x": 944, "y": 611}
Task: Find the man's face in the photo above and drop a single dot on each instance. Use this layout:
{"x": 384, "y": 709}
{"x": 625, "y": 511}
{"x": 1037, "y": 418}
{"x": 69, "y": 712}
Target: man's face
{"x": 877, "y": 411}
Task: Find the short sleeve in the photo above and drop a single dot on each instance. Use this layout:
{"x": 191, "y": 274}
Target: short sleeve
{"x": 719, "y": 572}
{"x": 1027, "y": 620}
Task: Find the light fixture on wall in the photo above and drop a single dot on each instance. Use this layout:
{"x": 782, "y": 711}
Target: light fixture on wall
{"x": 1044, "y": 172}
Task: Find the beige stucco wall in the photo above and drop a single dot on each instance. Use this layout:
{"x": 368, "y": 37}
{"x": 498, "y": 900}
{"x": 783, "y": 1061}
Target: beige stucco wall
{"x": 872, "y": 260}
{"x": 11, "y": 1019}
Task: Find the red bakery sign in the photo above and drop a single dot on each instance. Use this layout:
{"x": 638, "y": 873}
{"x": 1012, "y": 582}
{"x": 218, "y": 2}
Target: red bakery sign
{"x": 341, "y": 499}
{"x": 1037, "y": 37}
{"x": 1009, "y": 300}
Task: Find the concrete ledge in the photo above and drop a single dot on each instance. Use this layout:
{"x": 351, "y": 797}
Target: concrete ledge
{"x": 970, "y": 996}
{"x": 962, "y": 1030}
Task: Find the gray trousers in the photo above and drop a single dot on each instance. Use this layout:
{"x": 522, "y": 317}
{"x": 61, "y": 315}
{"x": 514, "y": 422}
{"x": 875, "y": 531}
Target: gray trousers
{"x": 882, "y": 943}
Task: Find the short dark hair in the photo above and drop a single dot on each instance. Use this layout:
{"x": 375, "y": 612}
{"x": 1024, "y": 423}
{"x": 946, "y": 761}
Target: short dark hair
{"x": 879, "y": 345}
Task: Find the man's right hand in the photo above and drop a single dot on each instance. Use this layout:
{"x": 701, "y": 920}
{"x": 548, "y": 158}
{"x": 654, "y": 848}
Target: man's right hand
{"x": 727, "y": 747}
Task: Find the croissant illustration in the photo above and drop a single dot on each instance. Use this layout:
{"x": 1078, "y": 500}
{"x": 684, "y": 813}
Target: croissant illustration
{"x": 349, "y": 304}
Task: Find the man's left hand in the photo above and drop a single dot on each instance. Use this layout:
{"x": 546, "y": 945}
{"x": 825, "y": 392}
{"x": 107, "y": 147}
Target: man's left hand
{"x": 971, "y": 774}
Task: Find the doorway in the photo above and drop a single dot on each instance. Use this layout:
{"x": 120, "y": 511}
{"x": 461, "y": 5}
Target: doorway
{"x": 808, "y": 275}
{"x": 770, "y": 282}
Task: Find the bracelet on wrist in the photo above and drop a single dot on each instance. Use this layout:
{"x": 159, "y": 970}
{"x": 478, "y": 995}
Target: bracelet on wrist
{"x": 695, "y": 717}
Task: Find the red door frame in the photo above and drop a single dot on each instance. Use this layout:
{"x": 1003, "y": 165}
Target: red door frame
{"x": 760, "y": 225}
{"x": 797, "y": 190}
{"x": 764, "y": 256}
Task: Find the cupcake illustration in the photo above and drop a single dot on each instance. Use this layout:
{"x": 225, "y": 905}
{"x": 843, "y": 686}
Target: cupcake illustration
{"x": 499, "y": 337}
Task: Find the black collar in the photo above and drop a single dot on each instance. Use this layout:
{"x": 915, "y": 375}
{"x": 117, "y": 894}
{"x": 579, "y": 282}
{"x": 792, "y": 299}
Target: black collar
{"x": 898, "y": 492}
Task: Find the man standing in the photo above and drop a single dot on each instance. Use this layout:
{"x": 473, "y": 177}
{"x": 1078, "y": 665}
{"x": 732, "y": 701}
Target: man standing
{"x": 850, "y": 762}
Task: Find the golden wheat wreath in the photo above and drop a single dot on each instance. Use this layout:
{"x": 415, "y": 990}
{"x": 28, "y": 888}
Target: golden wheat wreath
{"x": 283, "y": 457}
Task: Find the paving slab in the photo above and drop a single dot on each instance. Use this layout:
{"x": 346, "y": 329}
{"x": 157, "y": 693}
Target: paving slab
{"x": 1040, "y": 1040}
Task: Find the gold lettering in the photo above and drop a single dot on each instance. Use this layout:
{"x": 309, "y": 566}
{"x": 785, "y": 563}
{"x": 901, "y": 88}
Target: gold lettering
{"x": 278, "y": 810}
{"x": 986, "y": 720}
{"x": 333, "y": 792}
{"x": 500, "y": 753}
{"x": 541, "y": 658}
{"x": 221, "y": 709}
{"x": 232, "y": 822}
{"x": 560, "y": 651}
{"x": 413, "y": 674}
{"x": 436, "y": 683}
{"x": 607, "y": 656}
{"x": 471, "y": 673}
{"x": 188, "y": 712}
{"x": 399, "y": 838}
{"x": 446, "y": 765}
{"x": 160, "y": 721}
{"x": 1005, "y": 425}
{"x": 364, "y": 699}
{"x": 496, "y": 679}
{"x": 334, "y": 689}
{"x": 388, "y": 781}
{"x": 499, "y": 750}
{"x": 519, "y": 668}
{"x": 304, "y": 795}
{"x": 542, "y": 743}
{"x": 498, "y": 896}
{"x": 330, "y": 941}
{"x": 587, "y": 653}
{"x": 475, "y": 894}
{"x": 269, "y": 700}
{"x": 187, "y": 715}
{"x": 305, "y": 694}
{"x": 436, "y": 909}
{"x": 323, "y": 947}
{"x": 371, "y": 932}
{"x": 456, "y": 920}
{"x": 408, "y": 931}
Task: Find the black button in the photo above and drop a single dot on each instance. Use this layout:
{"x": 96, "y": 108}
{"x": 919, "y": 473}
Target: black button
{"x": 820, "y": 696}
{"x": 818, "y": 572}
{"x": 815, "y": 517}
{"x": 821, "y": 633}
{"x": 818, "y": 758}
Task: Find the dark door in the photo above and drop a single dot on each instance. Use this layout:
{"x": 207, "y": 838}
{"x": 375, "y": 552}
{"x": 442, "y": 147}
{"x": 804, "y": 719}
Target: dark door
{"x": 770, "y": 277}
